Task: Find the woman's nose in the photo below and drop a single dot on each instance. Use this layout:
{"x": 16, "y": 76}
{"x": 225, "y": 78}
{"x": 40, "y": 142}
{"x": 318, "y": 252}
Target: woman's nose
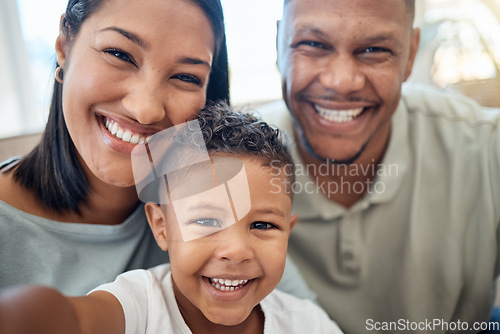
{"x": 145, "y": 102}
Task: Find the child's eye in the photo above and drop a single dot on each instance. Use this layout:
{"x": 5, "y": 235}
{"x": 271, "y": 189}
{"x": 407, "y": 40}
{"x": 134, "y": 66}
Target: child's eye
{"x": 188, "y": 78}
{"x": 122, "y": 55}
{"x": 262, "y": 226}
{"x": 207, "y": 222}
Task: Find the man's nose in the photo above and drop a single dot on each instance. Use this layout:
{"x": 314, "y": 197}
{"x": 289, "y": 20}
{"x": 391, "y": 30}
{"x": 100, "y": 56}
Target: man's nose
{"x": 342, "y": 74}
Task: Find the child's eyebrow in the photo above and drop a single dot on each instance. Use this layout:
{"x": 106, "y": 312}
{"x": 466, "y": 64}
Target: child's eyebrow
{"x": 207, "y": 206}
{"x": 272, "y": 211}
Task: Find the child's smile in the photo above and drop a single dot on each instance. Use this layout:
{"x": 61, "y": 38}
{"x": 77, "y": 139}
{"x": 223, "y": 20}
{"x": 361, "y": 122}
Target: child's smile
{"x": 228, "y": 290}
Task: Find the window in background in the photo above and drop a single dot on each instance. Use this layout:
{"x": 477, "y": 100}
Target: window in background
{"x": 251, "y": 39}
{"x": 461, "y": 44}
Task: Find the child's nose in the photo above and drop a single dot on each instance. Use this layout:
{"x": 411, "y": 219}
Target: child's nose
{"x": 235, "y": 246}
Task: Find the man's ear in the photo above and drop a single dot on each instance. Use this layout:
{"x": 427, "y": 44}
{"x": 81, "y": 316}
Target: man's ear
{"x": 293, "y": 220}
{"x": 157, "y": 222}
{"x": 62, "y": 43}
{"x": 414, "y": 43}
{"x": 277, "y": 41}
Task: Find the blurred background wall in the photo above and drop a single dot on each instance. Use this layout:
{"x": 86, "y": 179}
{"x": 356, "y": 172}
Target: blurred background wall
{"x": 460, "y": 50}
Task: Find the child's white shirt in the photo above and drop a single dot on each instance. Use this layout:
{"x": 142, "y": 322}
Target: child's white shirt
{"x": 148, "y": 302}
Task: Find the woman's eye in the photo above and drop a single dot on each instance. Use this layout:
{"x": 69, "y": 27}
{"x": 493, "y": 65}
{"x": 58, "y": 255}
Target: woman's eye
{"x": 120, "y": 55}
{"x": 262, "y": 226}
{"x": 206, "y": 222}
{"x": 188, "y": 78}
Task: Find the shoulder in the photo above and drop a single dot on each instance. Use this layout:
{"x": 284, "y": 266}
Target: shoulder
{"x": 431, "y": 102}
{"x": 138, "y": 292}
{"x": 143, "y": 276}
{"x": 293, "y": 315}
{"x": 275, "y": 113}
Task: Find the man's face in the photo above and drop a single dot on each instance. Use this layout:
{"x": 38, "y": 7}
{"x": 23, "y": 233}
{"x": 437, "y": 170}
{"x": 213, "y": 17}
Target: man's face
{"x": 342, "y": 63}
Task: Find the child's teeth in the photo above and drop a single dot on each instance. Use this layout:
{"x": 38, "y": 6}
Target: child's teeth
{"x": 226, "y": 284}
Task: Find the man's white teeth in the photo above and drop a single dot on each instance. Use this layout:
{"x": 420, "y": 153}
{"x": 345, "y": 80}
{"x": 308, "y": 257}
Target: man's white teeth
{"x": 339, "y": 116}
{"x": 226, "y": 284}
{"x": 125, "y": 135}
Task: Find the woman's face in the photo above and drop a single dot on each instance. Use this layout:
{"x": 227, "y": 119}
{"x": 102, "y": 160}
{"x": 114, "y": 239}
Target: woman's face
{"x": 135, "y": 68}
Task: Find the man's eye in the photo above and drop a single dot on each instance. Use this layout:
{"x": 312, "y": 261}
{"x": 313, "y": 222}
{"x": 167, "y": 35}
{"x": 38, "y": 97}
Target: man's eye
{"x": 311, "y": 44}
{"x": 373, "y": 49}
{"x": 262, "y": 226}
{"x": 206, "y": 222}
{"x": 188, "y": 78}
{"x": 120, "y": 55}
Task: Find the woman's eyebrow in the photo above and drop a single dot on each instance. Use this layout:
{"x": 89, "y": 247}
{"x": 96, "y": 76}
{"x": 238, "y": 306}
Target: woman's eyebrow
{"x": 139, "y": 41}
{"x": 127, "y": 34}
{"x": 194, "y": 61}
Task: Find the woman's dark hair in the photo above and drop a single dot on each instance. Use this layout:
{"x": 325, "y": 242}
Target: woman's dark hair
{"x": 52, "y": 170}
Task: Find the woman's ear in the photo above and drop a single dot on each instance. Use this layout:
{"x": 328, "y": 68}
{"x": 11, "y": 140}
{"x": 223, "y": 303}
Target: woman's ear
{"x": 157, "y": 222}
{"x": 62, "y": 43}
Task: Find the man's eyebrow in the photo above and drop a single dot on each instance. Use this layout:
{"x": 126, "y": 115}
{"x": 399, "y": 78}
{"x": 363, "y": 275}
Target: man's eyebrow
{"x": 127, "y": 34}
{"x": 310, "y": 29}
{"x": 383, "y": 38}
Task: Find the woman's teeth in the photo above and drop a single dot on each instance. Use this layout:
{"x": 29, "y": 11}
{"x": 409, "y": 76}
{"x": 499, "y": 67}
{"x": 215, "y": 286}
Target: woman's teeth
{"x": 126, "y": 135}
{"x": 339, "y": 116}
{"x": 226, "y": 284}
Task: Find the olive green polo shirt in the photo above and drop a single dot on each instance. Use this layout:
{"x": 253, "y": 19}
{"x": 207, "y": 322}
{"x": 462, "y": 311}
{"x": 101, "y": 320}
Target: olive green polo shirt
{"x": 420, "y": 251}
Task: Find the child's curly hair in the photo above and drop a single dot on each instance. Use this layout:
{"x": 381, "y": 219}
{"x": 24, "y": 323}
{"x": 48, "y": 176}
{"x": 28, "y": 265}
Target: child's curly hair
{"x": 232, "y": 132}
{"x": 227, "y": 132}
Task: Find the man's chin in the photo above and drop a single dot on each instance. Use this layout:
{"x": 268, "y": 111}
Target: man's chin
{"x": 326, "y": 156}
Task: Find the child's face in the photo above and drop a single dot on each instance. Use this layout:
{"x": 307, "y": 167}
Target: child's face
{"x": 248, "y": 255}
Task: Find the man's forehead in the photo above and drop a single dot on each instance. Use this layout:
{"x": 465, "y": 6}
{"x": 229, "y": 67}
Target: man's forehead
{"x": 298, "y": 8}
{"x": 319, "y": 17}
